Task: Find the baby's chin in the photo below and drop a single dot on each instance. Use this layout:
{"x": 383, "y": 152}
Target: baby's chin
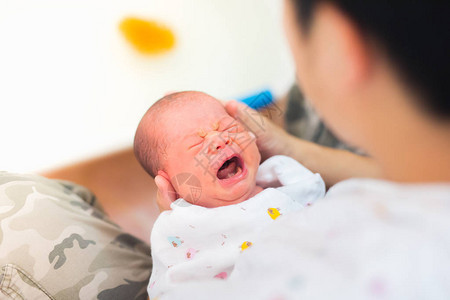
{"x": 212, "y": 203}
{"x": 213, "y": 194}
{"x": 235, "y": 195}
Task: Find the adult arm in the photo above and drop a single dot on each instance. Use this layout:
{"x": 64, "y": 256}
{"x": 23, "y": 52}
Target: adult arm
{"x": 334, "y": 165}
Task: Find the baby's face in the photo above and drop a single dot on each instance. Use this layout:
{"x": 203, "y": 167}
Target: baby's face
{"x": 212, "y": 159}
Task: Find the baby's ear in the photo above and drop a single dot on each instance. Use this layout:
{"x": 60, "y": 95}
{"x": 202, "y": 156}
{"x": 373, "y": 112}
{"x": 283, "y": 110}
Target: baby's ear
{"x": 164, "y": 174}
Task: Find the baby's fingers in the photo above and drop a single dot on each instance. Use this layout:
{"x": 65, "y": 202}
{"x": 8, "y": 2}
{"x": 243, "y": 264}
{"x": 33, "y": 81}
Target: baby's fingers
{"x": 166, "y": 193}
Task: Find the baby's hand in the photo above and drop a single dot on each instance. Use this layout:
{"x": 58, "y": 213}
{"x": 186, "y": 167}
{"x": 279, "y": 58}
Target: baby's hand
{"x": 166, "y": 193}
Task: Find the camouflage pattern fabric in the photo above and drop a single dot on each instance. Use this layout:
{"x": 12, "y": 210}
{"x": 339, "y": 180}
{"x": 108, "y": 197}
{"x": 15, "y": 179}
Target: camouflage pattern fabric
{"x": 57, "y": 243}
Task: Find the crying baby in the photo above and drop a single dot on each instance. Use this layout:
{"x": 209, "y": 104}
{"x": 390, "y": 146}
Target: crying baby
{"x": 190, "y": 135}
{"x": 224, "y": 196}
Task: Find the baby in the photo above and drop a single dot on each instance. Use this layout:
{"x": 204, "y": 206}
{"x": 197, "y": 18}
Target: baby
{"x": 190, "y": 134}
{"x": 224, "y": 196}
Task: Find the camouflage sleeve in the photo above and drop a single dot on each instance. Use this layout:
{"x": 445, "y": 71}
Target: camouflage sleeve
{"x": 57, "y": 243}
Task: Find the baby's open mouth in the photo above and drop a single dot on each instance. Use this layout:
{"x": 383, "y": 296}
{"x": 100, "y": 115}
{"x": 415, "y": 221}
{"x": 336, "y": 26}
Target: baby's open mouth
{"x": 230, "y": 168}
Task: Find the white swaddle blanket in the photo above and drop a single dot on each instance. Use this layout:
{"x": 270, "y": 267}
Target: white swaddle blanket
{"x": 192, "y": 243}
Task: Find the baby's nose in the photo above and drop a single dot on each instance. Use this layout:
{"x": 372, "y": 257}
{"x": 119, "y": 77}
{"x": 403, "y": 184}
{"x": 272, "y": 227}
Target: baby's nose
{"x": 218, "y": 141}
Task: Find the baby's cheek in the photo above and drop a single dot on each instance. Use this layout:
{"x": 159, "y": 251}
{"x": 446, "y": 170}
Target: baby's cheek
{"x": 253, "y": 154}
{"x": 243, "y": 139}
{"x": 191, "y": 194}
{"x": 183, "y": 192}
{"x": 188, "y": 186}
{"x": 207, "y": 194}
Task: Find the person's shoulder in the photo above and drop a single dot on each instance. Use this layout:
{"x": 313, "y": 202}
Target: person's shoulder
{"x": 383, "y": 190}
{"x": 421, "y": 210}
{"x": 359, "y": 207}
{"x": 373, "y": 225}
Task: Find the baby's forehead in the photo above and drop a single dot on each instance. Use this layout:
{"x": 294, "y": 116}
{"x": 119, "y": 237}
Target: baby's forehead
{"x": 196, "y": 110}
{"x": 182, "y": 127}
{"x": 187, "y": 112}
{"x": 187, "y": 123}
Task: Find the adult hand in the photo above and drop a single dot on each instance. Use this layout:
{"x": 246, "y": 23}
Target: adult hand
{"x": 166, "y": 193}
{"x": 331, "y": 164}
{"x": 270, "y": 138}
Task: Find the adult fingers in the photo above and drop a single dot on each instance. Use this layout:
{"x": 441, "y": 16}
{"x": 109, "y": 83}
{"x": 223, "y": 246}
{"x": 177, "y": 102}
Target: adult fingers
{"x": 270, "y": 138}
{"x": 250, "y": 118}
{"x": 166, "y": 193}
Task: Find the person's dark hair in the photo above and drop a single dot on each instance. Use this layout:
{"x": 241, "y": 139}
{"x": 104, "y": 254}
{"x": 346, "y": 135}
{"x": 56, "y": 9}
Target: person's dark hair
{"x": 415, "y": 34}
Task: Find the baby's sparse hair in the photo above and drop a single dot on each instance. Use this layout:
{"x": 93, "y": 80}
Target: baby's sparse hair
{"x": 149, "y": 144}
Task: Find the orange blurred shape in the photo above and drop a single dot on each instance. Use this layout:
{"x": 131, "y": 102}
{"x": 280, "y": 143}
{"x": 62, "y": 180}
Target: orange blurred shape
{"x": 147, "y": 37}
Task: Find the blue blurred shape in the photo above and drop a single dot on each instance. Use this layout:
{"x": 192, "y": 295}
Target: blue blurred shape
{"x": 258, "y": 100}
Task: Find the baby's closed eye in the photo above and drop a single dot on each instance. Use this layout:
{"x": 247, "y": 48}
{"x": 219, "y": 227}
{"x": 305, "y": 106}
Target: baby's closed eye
{"x": 196, "y": 143}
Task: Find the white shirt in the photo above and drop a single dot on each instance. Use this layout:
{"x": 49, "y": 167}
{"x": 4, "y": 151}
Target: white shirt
{"x": 194, "y": 243}
{"x": 367, "y": 239}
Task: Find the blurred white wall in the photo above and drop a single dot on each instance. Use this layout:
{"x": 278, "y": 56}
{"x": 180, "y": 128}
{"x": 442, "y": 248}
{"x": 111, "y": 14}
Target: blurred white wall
{"x": 72, "y": 88}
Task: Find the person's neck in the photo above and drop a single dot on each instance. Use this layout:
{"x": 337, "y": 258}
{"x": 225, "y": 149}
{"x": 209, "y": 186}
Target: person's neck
{"x": 409, "y": 143}
{"x": 415, "y": 146}
{"x": 425, "y": 159}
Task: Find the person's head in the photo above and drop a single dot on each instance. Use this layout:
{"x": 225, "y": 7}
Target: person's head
{"x": 375, "y": 70}
{"x": 209, "y": 157}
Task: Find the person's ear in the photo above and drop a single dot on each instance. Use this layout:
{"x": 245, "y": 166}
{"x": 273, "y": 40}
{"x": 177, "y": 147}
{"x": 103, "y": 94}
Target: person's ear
{"x": 345, "y": 53}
